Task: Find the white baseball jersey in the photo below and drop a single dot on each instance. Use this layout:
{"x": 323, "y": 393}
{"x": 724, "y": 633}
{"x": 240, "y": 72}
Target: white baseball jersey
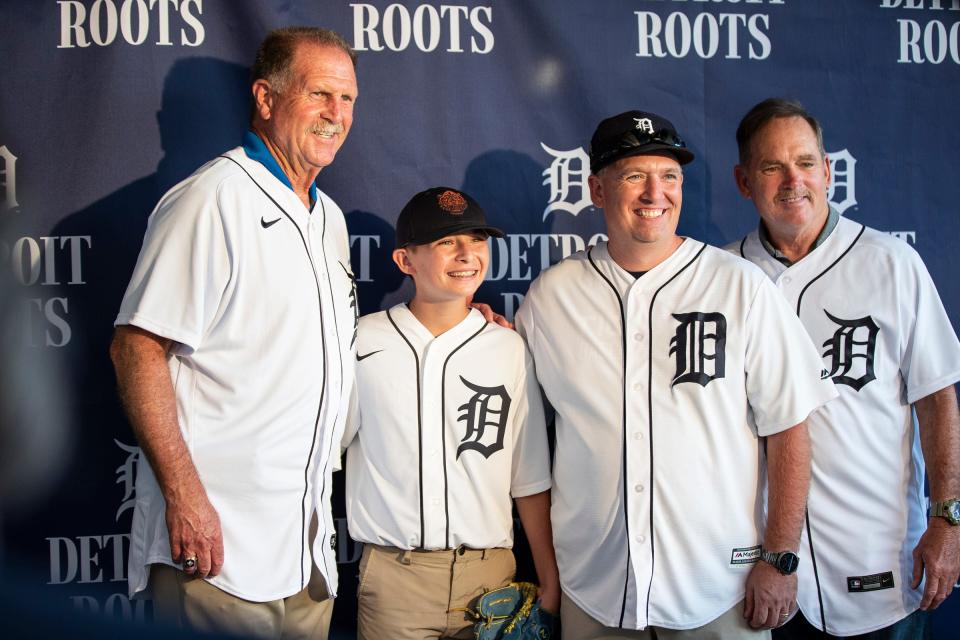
{"x": 662, "y": 385}
{"x": 446, "y": 429}
{"x": 258, "y": 294}
{"x": 870, "y": 306}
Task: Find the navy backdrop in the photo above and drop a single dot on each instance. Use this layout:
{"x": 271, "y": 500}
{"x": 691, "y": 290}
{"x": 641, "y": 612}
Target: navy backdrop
{"x": 105, "y": 104}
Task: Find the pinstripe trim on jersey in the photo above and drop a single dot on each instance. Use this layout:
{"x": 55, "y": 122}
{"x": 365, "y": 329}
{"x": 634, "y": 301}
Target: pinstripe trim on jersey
{"x": 323, "y": 387}
{"x": 443, "y": 433}
{"x": 813, "y": 555}
{"x": 623, "y": 346}
{"x": 623, "y": 353}
{"x": 416, "y": 361}
{"x": 831, "y": 266}
{"x": 336, "y": 330}
{"x": 653, "y": 300}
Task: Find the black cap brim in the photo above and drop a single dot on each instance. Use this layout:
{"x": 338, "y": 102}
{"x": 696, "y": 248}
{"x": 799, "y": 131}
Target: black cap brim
{"x": 452, "y": 230}
{"x": 683, "y": 156}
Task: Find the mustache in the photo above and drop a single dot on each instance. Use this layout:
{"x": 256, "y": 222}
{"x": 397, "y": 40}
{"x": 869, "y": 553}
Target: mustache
{"x": 327, "y": 129}
{"x": 794, "y": 193}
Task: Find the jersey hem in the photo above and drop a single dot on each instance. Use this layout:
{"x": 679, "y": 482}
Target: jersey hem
{"x": 666, "y": 624}
{"x": 698, "y": 623}
{"x": 815, "y": 623}
{"x": 216, "y": 582}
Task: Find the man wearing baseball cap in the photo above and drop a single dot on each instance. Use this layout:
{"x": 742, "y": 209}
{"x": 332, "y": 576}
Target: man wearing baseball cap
{"x": 680, "y": 392}
{"x": 447, "y": 426}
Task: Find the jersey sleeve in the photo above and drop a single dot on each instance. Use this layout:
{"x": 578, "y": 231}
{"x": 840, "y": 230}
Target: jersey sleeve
{"x": 531, "y": 456}
{"x": 930, "y": 352}
{"x": 183, "y": 268}
{"x": 350, "y": 427}
{"x": 782, "y": 365}
{"x": 523, "y": 321}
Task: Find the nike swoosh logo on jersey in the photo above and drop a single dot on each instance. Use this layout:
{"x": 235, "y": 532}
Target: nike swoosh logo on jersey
{"x": 367, "y": 355}
{"x": 267, "y": 225}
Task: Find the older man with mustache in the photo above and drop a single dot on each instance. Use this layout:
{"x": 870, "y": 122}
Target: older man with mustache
{"x": 234, "y": 355}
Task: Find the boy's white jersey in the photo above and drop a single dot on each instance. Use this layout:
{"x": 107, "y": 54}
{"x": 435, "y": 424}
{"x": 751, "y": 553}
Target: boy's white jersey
{"x": 443, "y": 432}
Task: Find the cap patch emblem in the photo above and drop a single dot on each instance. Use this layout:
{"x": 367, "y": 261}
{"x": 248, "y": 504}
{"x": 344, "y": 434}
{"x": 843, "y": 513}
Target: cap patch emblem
{"x": 452, "y": 202}
{"x": 644, "y": 124}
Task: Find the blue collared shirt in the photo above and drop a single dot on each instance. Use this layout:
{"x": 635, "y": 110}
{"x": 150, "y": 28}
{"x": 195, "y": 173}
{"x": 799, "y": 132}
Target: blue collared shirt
{"x": 255, "y": 149}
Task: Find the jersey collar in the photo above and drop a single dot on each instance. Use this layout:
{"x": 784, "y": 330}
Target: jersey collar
{"x": 832, "y": 218}
{"x": 255, "y": 149}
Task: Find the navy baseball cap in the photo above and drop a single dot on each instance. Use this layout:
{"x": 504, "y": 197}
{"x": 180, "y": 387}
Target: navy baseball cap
{"x": 440, "y": 212}
{"x": 634, "y": 133}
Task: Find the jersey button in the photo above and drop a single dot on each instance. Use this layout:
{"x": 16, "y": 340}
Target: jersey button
{"x": 638, "y": 488}
{"x": 641, "y": 539}
{"x": 638, "y": 337}
{"x": 787, "y": 280}
{"x": 638, "y": 435}
{"x": 637, "y": 386}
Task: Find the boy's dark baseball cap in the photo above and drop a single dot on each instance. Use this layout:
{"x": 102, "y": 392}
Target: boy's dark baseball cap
{"x": 440, "y": 212}
{"x": 635, "y": 133}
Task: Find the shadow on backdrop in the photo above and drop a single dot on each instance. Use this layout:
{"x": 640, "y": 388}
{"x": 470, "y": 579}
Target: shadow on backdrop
{"x": 370, "y": 256}
{"x": 509, "y": 186}
{"x": 203, "y": 112}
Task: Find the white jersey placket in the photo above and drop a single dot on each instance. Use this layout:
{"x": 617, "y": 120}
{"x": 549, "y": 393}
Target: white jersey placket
{"x": 638, "y": 445}
{"x": 433, "y": 445}
{"x": 316, "y": 237}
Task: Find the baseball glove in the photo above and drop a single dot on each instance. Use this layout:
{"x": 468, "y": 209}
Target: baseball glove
{"x": 512, "y": 613}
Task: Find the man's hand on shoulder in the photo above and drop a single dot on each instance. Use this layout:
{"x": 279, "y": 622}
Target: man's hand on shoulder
{"x": 489, "y": 314}
{"x": 771, "y": 597}
{"x": 194, "y": 528}
{"x": 937, "y": 556}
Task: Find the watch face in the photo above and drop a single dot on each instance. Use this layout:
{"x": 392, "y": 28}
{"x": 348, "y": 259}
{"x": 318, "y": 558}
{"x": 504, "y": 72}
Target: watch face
{"x": 952, "y": 511}
{"x": 788, "y": 563}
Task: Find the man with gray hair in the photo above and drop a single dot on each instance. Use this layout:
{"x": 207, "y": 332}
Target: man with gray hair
{"x": 234, "y": 361}
{"x": 869, "y": 557}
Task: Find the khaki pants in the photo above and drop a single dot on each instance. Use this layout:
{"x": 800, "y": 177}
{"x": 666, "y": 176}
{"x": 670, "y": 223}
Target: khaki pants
{"x": 413, "y": 595}
{"x": 185, "y": 602}
{"x": 577, "y": 625}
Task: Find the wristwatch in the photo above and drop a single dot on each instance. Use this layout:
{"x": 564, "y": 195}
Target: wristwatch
{"x": 949, "y": 510}
{"x": 786, "y": 562}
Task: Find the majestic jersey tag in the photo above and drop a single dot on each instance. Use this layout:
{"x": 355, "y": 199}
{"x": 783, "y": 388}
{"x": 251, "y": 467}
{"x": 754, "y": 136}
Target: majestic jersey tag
{"x": 857, "y": 584}
{"x": 745, "y": 555}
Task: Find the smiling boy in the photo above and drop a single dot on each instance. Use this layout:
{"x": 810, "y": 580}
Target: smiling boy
{"x": 448, "y": 425}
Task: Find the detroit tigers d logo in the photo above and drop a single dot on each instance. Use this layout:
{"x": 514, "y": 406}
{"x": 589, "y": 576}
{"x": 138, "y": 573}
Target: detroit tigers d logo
{"x": 485, "y": 415}
{"x": 699, "y": 347}
{"x": 851, "y": 350}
